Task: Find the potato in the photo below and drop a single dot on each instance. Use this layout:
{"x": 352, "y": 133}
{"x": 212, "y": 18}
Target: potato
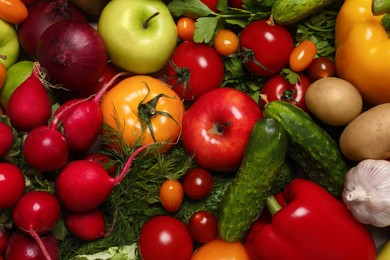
{"x": 368, "y": 135}
{"x": 334, "y": 101}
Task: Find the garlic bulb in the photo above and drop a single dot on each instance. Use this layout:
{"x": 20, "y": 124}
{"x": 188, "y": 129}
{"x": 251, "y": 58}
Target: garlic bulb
{"x": 367, "y": 192}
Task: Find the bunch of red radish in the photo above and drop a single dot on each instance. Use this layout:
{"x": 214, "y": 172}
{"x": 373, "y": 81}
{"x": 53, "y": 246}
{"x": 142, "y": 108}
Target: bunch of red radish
{"x": 81, "y": 185}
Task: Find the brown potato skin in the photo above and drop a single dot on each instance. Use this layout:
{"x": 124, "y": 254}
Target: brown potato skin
{"x": 368, "y": 135}
{"x": 334, "y": 101}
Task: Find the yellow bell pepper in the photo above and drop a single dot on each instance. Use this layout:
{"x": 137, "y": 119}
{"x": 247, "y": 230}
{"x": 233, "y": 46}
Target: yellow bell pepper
{"x": 384, "y": 252}
{"x": 363, "y": 51}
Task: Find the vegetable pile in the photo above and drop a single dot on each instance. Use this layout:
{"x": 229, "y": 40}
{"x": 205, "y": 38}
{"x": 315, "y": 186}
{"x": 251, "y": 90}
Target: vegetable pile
{"x": 194, "y": 129}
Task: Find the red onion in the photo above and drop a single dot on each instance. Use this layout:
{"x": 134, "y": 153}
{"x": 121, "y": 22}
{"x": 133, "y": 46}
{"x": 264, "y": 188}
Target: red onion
{"x": 73, "y": 53}
{"x": 42, "y": 14}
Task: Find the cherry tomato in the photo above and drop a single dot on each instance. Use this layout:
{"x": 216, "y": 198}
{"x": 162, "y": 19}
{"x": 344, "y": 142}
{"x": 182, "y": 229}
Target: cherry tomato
{"x": 267, "y": 53}
{"x": 321, "y": 67}
{"x": 171, "y": 195}
{"x": 226, "y": 42}
{"x": 165, "y": 237}
{"x": 3, "y": 74}
{"x": 13, "y": 11}
{"x": 279, "y": 88}
{"x": 197, "y": 183}
{"x": 203, "y": 226}
{"x": 219, "y": 249}
{"x": 194, "y": 69}
{"x": 302, "y": 55}
{"x": 212, "y": 4}
{"x": 186, "y": 28}
{"x": 146, "y": 109}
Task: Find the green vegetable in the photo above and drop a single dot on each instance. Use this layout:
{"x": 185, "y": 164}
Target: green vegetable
{"x": 263, "y": 159}
{"x": 287, "y": 12}
{"x": 310, "y": 146}
{"x": 287, "y": 174}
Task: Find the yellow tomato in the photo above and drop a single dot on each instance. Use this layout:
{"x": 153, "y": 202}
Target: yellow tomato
{"x": 219, "y": 249}
{"x": 145, "y": 110}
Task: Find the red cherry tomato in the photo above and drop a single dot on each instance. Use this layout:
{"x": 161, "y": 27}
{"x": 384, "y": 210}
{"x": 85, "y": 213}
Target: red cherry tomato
{"x": 212, "y": 4}
{"x": 321, "y": 67}
{"x": 165, "y": 237}
{"x": 269, "y": 52}
{"x": 171, "y": 195}
{"x": 202, "y": 226}
{"x": 186, "y": 28}
{"x": 302, "y": 55}
{"x": 197, "y": 183}
{"x": 194, "y": 69}
{"x": 279, "y": 88}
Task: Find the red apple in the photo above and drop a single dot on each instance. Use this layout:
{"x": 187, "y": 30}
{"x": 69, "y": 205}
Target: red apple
{"x": 217, "y": 126}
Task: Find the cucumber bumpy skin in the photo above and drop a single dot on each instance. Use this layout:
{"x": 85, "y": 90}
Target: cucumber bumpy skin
{"x": 263, "y": 159}
{"x": 310, "y": 146}
{"x": 285, "y": 12}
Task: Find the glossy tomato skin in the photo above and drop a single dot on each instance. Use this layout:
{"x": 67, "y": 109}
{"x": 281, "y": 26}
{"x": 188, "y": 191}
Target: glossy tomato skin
{"x": 197, "y": 183}
{"x": 123, "y": 103}
{"x": 165, "y": 238}
{"x": 217, "y": 126}
{"x": 202, "y": 226}
{"x": 201, "y": 69}
{"x": 279, "y": 88}
{"x": 321, "y": 67}
{"x": 212, "y": 4}
{"x": 171, "y": 195}
{"x": 271, "y": 46}
{"x": 218, "y": 249}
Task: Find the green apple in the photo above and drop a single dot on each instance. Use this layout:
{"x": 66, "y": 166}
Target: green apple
{"x": 140, "y": 35}
{"x": 9, "y": 44}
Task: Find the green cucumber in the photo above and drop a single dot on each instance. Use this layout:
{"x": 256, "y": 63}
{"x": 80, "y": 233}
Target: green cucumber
{"x": 287, "y": 12}
{"x": 315, "y": 152}
{"x": 287, "y": 174}
{"x": 263, "y": 159}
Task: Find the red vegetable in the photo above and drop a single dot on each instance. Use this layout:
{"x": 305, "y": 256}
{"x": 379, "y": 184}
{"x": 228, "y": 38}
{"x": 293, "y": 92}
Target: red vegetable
{"x": 197, "y": 183}
{"x": 73, "y": 53}
{"x": 42, "y": 14}
{"x": 12, "y": 184}
{"x": 36, "y": 213}
{"x": 4, "y": 236}
{"x": 7, "y": 138}
{"x": 87, "y": 225}
{"x": 311, "y": 224}
{"x": 202, "y": 226}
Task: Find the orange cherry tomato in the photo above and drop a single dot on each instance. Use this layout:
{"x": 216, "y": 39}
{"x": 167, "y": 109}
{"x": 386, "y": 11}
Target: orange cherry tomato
{"x": 226, "y": 42}
{"x": 219, "y": 249}
{"x": 186, "y": 28}
{"x": 171, "y": 195}
{"x": 13, "y": 11}
{"x": 3, "y": 74}
{"x": 302, "y": 55}
{"x": 144, "y": 109}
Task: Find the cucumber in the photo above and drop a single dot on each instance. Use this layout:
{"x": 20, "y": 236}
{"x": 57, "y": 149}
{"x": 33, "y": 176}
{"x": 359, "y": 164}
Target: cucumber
{"x": 315, "y": 152}
{"x": 287, "y": 174}
{"x": 262, "y": 161}
{"x": 287, "y": 12}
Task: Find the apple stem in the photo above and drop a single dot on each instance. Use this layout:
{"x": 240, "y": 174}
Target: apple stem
{"x": 146, "y": 23}
{"x": 3, "y": 57}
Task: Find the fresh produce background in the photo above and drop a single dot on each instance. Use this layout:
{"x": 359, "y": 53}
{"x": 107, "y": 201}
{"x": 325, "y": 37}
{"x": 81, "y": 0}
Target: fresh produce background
{"x": 178, "y": 129}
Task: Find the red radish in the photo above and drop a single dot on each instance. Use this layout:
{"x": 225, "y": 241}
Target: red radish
{"x": 45, "y": 148}
{"x": 7, "y": 138}
{"x": 22, "y": 246}
{"x": 4, "y": 236}
{"x": 82, "y": 119}
{"x": 104, "y": 160}
{"x": 88, "y": 225}
{"x": 29, "y": 105}
{"x": 12, "y": 184}
{"x": 84, "y": 185}
{"x": 37, "y": 213}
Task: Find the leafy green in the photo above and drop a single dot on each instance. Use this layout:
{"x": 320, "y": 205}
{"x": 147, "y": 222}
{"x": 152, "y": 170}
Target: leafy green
{"x": 193, "y": 7}
{"x": 205, "y": 28}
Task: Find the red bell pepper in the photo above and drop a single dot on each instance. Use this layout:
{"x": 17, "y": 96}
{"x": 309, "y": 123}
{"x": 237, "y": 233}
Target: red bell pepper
{"x": 309, "y": 224}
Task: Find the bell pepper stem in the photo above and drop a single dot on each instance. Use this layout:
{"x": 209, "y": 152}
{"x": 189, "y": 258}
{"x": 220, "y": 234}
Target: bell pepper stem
{"x": 272, "y": 204}
{"x": 380, "y": 7}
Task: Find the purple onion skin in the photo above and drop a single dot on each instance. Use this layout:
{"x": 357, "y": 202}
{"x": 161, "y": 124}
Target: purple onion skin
{"x": 42, "y": 14}
{"x": 73, "y": 54}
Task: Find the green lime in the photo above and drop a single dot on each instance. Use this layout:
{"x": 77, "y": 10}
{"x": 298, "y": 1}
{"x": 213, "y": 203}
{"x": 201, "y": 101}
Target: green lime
{"x": 16, "y": 75}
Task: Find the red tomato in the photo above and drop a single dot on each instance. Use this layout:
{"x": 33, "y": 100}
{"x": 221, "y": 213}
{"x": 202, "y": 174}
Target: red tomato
{"x": 165, "y": 237}
{"x": 171, "y": 195}
{"x": 212, "y": 4}
{"x": 279, "y": 88}
{"x": 203, "y": 226}
{"x": 219, "y": 249}
{"x": 194, "y": 69}
{"x": 197, "y": 183}
{"x": 321, "y": 67}
{"x": 269, "y": 52}
{"x": 302, "y": 55}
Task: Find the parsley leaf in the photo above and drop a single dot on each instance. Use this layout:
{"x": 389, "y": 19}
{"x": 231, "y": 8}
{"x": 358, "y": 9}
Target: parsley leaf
{"x": 194, "y": 7}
